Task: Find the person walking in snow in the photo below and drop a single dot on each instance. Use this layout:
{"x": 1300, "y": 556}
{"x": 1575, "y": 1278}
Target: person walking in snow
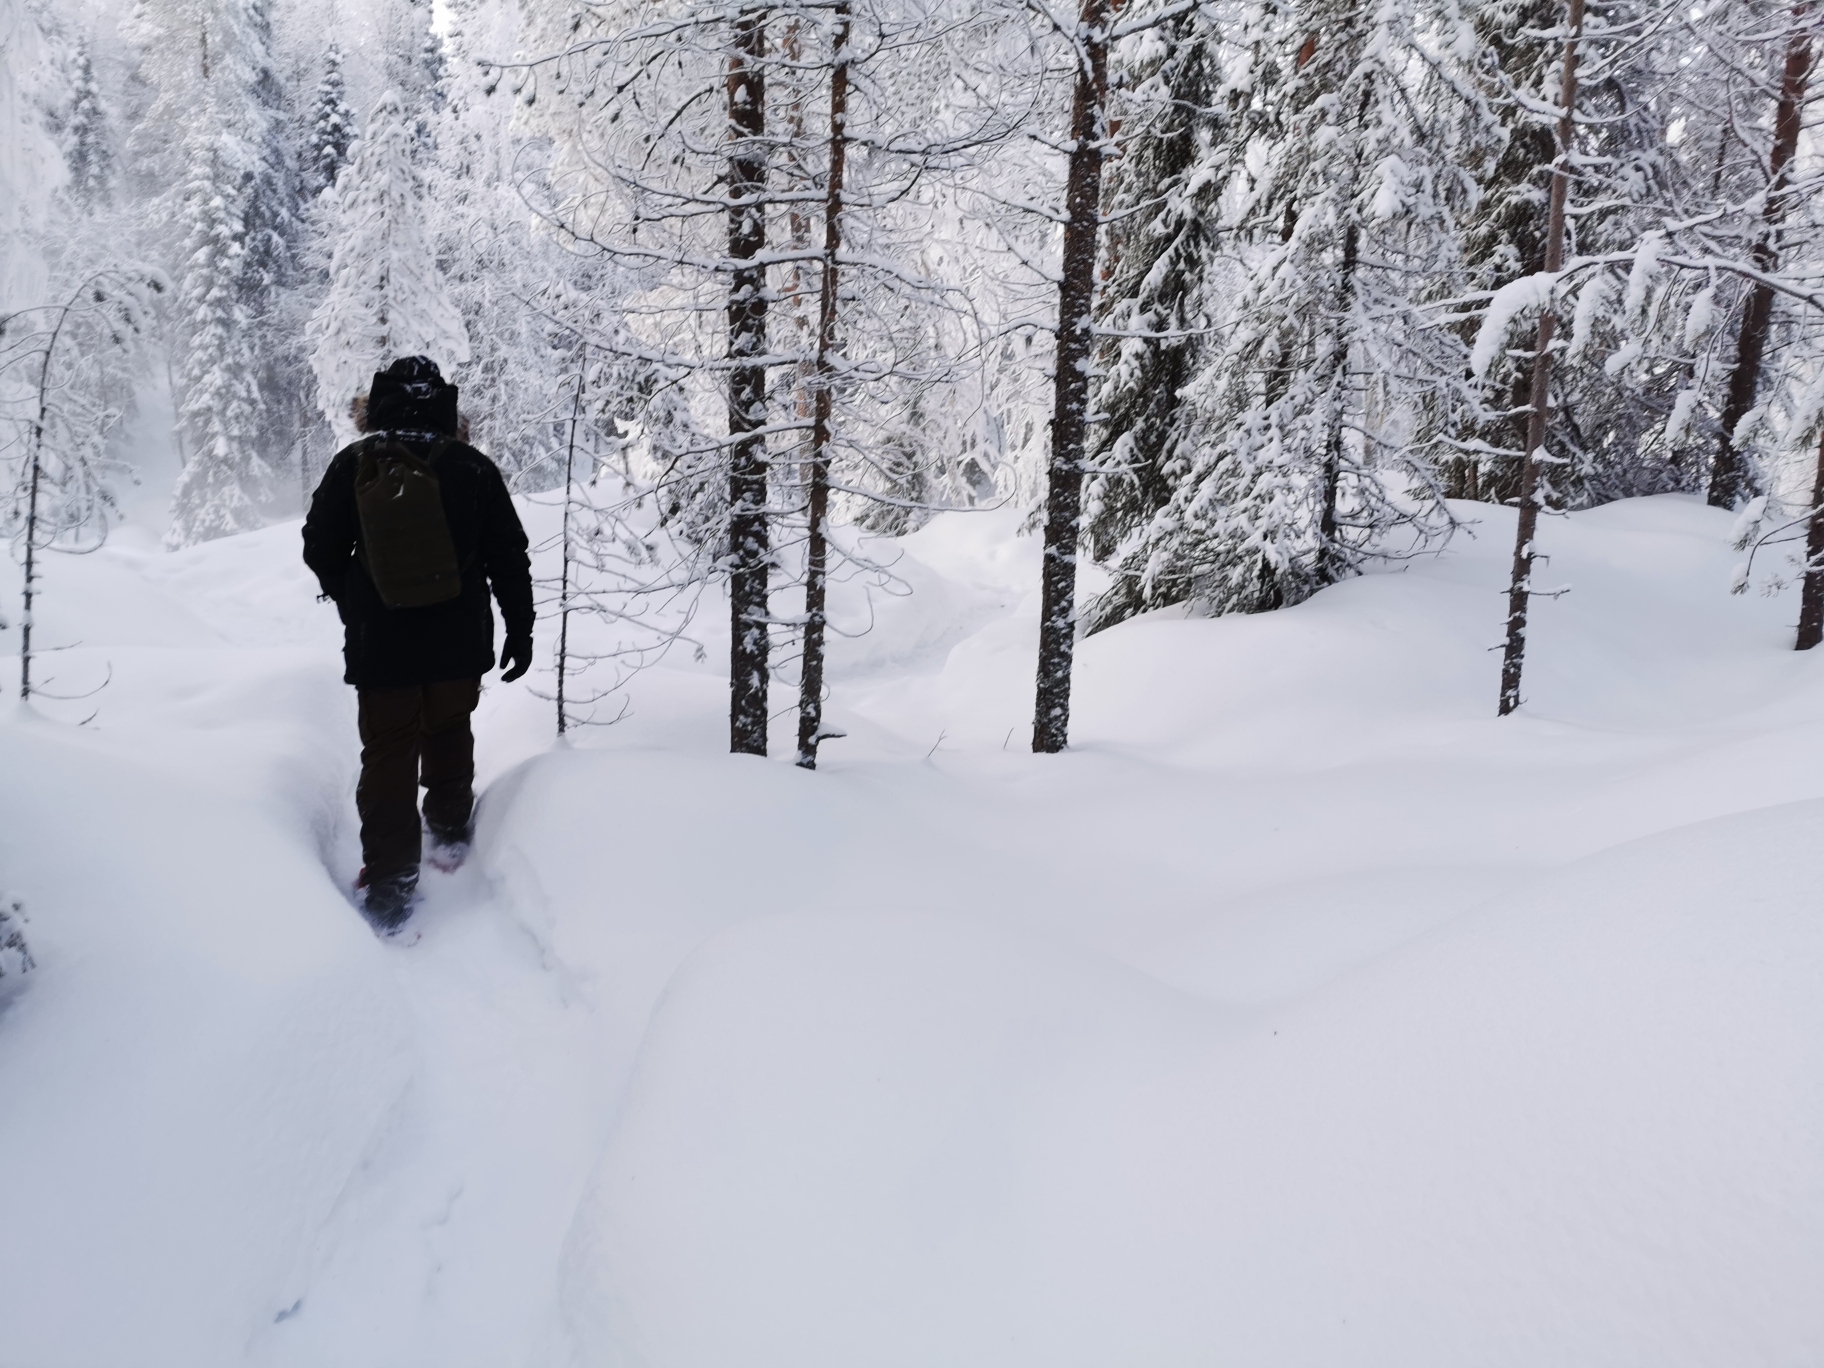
{"x": 407, "y": 533}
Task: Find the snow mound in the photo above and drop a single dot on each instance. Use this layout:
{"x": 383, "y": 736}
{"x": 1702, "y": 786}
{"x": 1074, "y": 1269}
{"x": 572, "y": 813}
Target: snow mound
{"x": 210, "y": 1048}
{"x": 1568, "y": 1128}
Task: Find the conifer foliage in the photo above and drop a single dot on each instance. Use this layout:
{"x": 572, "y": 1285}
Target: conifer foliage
{"x": 1313, "y": 422}
{"x": 386, "y": 297}
{"x": 332, "y": 126}
{"x": 218, "y": 130}
{"x": 88, "y": 137}
{"x": 225, "y": 478}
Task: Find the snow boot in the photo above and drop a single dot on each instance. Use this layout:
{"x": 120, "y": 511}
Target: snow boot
{"x": 388, "y": 901}
{"x": 449, "y": 848}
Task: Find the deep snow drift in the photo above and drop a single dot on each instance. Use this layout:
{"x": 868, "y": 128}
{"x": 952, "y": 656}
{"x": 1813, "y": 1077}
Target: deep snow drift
{"x": 1302, "y": 1014}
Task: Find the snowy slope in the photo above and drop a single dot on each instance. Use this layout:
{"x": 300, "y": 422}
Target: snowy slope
{"x": 1302, "y": 1014}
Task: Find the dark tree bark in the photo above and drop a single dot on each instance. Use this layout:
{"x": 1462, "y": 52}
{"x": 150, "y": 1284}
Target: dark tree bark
{"x": 1071, "y": 382}
{"x": 1328, "y": 560}
{"x": 1811, "y": 598}
{"x": 31, "y": 500}
{"x": 563, "y": 583}
{"x": 1728, "y": 477}
{"x": 31, "y": 557}
{"x": 810, "y": 698}
{"x": 749, "y": 549}
{"x": 1519, "y": 592}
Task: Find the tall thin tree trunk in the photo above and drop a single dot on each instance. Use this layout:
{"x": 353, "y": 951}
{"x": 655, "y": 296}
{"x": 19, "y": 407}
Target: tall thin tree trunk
{"x": 1728, "y": 477}
{"x": 799, "y": 222}
{"x": 1811, "y": 598}
{"x": 749, "y": 550}
{"x": 1519, "y": 592}
{"x": 31, "y": 504}
{"x": 810, "y": 697}
{"x": 31, "y": 565}
{"x": 1070, "y": 382}
{"x": 1328, "y": 561}
{"x": 563, "y": 583}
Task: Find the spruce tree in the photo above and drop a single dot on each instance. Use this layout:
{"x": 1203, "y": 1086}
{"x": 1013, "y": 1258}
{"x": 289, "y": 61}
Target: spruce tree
{"x": 1161, "y": 302}
{"x": 332, "y": 126}
{"x": 1504, "y": 234}
{"x": 1312, "y": 428}
{"x": 217, "y": 128}
{"x": 87, "y": 137}
{"x": 387, "y": 296}
{"x": 1606, "y": 427}
{"x": 221, "y": 408}
{"x": 29, "y": 156}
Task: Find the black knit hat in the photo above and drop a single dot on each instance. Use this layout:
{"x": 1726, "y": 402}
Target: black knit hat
{"x": 411, "y": 395}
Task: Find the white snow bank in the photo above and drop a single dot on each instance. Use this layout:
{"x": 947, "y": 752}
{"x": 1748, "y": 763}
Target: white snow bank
{"x": 1564, "y": 1129}
{"x": 209, "y": 1048}
{"x": 946, "y": 1052}
{"x": 825, "y": 1140}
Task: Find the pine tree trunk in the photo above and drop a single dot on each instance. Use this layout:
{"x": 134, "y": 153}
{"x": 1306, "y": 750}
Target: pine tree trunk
{"x": 1728, "y": 477}
{"x": 31, "y": 563}
{"x": 563, "y": 583}
{"x": 1519, "y": 592}
{"x": 810, "y": 698}
{"x": 1071, "y": 383}
{"x": 800, "y": 220}
{"x": 31, "y": 503}
{"x": 1811, "y": 598}
{"x": 1329, "y": 563}
{"x": 749, "y": 551}
{"x": 1328, "y": 560}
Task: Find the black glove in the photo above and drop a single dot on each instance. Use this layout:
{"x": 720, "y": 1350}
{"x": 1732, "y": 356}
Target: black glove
{"x": 515, "y": 658}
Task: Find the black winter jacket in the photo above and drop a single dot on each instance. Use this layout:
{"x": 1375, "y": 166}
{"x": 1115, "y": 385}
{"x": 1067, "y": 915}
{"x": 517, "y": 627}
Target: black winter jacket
{"x": 391, "y": 647}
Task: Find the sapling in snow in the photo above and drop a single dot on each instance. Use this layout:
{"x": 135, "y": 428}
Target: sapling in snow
{"x": 1520, "y": 588}
{"x": 58, "y": 366}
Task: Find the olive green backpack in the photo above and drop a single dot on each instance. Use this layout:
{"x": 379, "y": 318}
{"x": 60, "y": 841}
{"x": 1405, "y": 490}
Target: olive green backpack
{"x": 405, "y": 536}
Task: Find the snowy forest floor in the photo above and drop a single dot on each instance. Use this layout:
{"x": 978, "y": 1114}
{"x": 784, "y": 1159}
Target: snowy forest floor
{"x": 1302, "y": 1014}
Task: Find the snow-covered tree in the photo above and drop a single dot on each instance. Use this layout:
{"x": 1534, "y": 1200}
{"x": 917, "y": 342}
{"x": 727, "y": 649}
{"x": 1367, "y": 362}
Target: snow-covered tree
{"x": 331, "y": 131}
{"x": 691, "y": 148}
{"x": 61, "y": 370}
{"x": 387, "y": 296}
{"x": 1763, "y": 79}
{"x": 1612, "y": 386}
{"x": 1169, "y": 276}
{"x": 30, "y": 167}
{"x": 221, "y": 409}
{"x": 414, "y": 67}
{"x": 1315, "y": 422}
{"x": 217, "y": 133}
{"x": 88, "y": 139}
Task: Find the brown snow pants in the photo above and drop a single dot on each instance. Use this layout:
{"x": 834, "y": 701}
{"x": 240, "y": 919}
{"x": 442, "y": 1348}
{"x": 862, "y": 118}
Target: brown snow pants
{"x": 409, "y": 736}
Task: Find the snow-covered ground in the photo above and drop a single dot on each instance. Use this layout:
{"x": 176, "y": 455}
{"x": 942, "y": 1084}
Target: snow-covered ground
{"x": 1302, "y": 1014}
